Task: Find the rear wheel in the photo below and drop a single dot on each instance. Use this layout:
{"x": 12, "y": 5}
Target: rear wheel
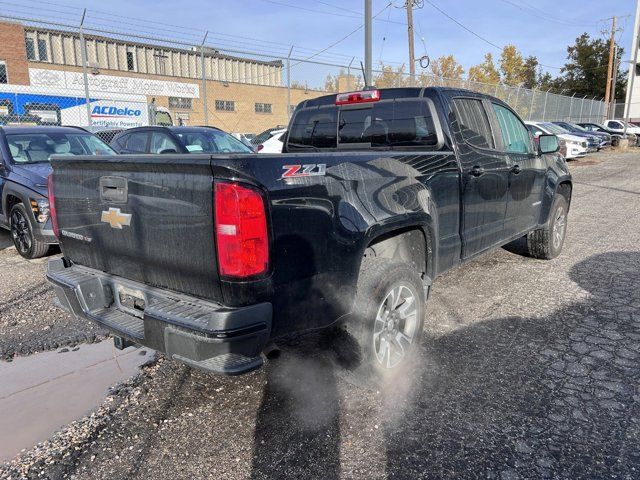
{"x": 546, "y": 243}
{"x": 22, "y": 233}
{"x": 388, "y": 320}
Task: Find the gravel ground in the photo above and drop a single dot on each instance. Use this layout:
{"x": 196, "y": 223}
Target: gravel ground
{"x": 29, "y": 322}
{"x": 529, "y": 369}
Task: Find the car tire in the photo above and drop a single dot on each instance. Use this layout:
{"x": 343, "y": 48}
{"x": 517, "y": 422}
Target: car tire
{"x": 546, "y": 243}
{"x": 388, "y": 319}
{"x": 22, "y": 234}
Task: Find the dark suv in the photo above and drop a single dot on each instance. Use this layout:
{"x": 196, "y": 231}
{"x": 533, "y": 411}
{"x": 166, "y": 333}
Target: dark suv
{"x": 177, "y": 140}
{"x": 24, "y": 168}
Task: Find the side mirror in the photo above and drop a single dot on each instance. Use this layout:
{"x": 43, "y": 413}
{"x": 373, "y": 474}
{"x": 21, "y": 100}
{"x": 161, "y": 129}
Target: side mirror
{"x": 167, "y": 150}
{"x": 548, "y": 144}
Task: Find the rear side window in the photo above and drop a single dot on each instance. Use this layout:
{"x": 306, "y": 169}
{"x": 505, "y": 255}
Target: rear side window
{"x": 473, "y": 122}
{"x": 515, "y": 136}
{"x": 137, "y": 142}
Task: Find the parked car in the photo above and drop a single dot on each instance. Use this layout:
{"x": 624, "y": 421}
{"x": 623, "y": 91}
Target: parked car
{"x": 244, "y": 137}
{"x": 576, "y": 146}
{"x": 177, "y": 140}
{"x": 618, "y": 126}
{"x": 598, "y": 127}
{"x": 605, "y": 138}
{"x": 25, "y": 152}
{"x": 273, "y": 144}
{"x": 267, "y": 134}
{"x": 209, "y": 260}
{"x": 106, "y": 134}
{"x": 593, "y": 142}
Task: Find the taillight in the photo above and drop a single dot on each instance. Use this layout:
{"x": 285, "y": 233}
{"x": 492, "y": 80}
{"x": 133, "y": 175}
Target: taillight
{"x": 241, "y": 230}
{"x": 260, "y": 147}
{"x": 358, "y": 97}
{"x": 52, "y": 206}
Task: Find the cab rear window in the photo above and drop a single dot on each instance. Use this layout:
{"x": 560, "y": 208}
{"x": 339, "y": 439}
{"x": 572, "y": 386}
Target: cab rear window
{"x": 388, "y": 123}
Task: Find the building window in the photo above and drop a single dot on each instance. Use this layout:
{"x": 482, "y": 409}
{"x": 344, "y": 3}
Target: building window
{"x": 4, "y": 77}
{"x": 263, "y": 108}
{"x": 180, "y": 102}
{"x": 131, "y": 61}
{"x": 31, "y": 49}
{"x": 161, "y": 63}
{"x": 226, "y": 105}
{"x": 43, "y": 54}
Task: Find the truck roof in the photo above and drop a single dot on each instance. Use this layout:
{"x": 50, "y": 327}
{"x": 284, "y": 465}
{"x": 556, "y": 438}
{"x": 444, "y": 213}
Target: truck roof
{"x": 387, "y": 93}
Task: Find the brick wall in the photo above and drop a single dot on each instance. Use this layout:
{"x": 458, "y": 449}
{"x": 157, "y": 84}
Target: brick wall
{"x": 13, "y": 51}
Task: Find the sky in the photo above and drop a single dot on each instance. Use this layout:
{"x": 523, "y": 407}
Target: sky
{"x": 543, "y": 28}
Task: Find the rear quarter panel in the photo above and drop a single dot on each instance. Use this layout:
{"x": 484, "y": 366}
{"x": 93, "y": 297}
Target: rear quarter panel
{"x": 322, "y": 224}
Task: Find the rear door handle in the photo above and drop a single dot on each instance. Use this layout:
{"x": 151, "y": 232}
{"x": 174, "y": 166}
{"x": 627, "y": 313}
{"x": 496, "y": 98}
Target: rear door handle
{"x": 476, "y": 171}
{"x": 516, "y": 169}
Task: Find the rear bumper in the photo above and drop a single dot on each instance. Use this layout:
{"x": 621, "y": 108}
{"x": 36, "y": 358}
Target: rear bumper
{"x": 196, "y": 332}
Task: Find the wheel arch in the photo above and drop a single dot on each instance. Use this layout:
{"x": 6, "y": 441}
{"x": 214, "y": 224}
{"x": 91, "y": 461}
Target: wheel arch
{"x": 561, "y": 185}
{"x": 412, "y": 242}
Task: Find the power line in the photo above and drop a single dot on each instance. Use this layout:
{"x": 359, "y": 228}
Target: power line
{"x": 342, "y": 39}
{"x": 311, "y": 10}
{"x": 463, "y": 26}
{"x": 531, "y": 9}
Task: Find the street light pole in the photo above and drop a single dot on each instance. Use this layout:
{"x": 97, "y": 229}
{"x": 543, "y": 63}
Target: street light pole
{"x": 367, "y": 41}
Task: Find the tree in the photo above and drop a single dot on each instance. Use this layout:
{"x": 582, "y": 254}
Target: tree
{"x": 331, "y": 83}
{"x": 390, "y": 77}
{"x": 447, "y": 67}
{"x": 585, "y": 72}
{"x": 511, "y": 66}
{"x": 530, "y": 72}
{"x": 485, "y": 72}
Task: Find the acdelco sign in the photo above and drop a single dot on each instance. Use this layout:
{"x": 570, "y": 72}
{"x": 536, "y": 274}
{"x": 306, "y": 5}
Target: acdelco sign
{"x": 113, "y": 111}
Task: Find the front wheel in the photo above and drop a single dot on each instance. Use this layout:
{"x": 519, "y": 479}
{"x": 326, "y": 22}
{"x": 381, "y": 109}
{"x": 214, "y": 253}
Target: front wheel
{"x": 547, "y": 242}
{"x": 22, "y": 233}
{"x": 388, "y": 320}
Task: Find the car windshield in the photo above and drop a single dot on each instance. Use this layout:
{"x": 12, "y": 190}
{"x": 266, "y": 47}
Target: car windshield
{"x": 579, "y": 128}
{"x": 210, "y": 141}
{"x": 39, "y": 147}
{"x": 553, "y": 128}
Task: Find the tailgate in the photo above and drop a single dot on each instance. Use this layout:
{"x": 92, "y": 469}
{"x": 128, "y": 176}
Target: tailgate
{"x": 147, "y": 218}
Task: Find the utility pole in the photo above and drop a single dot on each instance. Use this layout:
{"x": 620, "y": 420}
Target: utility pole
{"x": 412, "y": 63}
{"x": 614, "y": 80}
{"x": 612, "y": 42}
{"x": 367, "y": 42}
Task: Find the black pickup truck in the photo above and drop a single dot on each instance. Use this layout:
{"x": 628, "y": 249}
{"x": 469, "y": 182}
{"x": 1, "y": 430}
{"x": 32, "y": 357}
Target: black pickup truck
{"x": 209, "y": 258}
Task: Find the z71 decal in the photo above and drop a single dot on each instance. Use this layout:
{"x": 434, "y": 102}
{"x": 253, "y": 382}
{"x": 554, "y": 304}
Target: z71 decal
{"x": 310, "y": 170}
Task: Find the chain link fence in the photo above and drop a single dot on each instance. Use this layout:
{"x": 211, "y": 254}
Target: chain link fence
{"x": 65, "y": 74}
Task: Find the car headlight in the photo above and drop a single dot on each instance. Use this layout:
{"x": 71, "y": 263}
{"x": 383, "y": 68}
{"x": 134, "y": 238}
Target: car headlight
{"x": 40, "y": 208}
{"x": 573, "y": 142}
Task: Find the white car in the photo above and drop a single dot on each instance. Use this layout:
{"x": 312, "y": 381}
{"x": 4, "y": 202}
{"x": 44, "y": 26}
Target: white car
{"x": 618, "y": 126}
{"x": 576, "y": 146}
{"x": 274, "y": 143}
{"x": 244, "y": 137}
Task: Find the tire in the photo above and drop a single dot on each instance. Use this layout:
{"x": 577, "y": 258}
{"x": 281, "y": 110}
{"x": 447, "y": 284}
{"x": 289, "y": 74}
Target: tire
{"x": 22, "y": 233}
{"x": 385, "y": 343}
{"x": 546, "y": 243}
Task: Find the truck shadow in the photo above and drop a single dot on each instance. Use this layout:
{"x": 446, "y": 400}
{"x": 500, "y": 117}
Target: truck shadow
{"x": 297, "y": 430}
{"x": 514, "y": 397}
{"x": 533, "y": 397}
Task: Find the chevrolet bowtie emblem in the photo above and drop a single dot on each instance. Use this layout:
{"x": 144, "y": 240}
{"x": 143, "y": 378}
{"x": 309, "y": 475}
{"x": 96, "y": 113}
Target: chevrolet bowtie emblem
{"x": 116, "y": 218}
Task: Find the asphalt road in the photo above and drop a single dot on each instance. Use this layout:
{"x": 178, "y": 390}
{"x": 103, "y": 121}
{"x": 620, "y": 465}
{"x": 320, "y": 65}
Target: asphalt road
{"x": 528, "y": 369}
